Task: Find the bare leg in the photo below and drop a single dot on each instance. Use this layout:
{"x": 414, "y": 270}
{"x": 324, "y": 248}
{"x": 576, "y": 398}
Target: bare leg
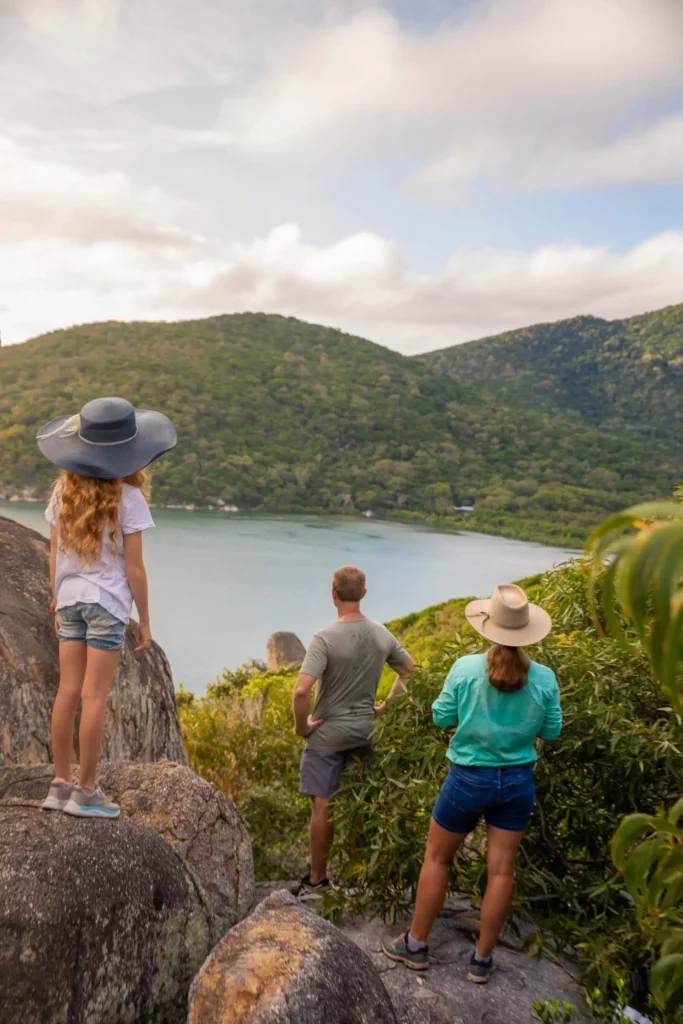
{"x": 72, "y": 656}
{"x": 502, "y": 854}
{"x": 99, "y": 672}
{"x": 442, "y": 847}
{"x": 321, "y": 832}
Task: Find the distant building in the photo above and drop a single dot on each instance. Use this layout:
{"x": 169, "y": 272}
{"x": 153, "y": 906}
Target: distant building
{"x": 464, "y": 508}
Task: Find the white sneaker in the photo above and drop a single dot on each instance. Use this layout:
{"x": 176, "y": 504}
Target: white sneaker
{"x": 58, "y": 795}
{"x": 91, "y": 805}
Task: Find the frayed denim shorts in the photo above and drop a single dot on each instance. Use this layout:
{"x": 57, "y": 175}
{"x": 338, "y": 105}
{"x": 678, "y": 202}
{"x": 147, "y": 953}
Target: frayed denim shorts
{"x": 91, "y": 624}
{"x": 504, "y": 797}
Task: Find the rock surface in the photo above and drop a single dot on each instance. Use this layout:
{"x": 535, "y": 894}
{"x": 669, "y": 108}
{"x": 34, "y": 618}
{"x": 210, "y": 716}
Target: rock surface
{"x": 443, "y": 995}
{"x": 100, "y": 923}
{"x": 199, "y": 822}
{"x": 285, "y": 965}
{"x": 142, "y": 718}
{"x": 284, "y": 649}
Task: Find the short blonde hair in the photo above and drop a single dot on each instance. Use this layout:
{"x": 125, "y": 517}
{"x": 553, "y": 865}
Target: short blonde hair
{"x": 348, "y": 583}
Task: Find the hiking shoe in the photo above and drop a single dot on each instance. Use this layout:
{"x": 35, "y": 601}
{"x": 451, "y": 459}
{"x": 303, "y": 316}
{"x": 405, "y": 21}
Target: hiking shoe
{"x": 399, "y": 951}
{"x": 307, "y": 890}
{"x": 58, "y": 795}
{"x": 91, "y": 805}
{"x": 480, "y": 970}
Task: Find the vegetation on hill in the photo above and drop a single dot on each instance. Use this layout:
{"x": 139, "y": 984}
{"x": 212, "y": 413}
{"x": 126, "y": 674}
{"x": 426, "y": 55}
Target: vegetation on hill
{"x": 610, "y": 374}
{"x": 281, "y": 416}
{"x": 643, "y": 548}
{"x": 619, "y": 753}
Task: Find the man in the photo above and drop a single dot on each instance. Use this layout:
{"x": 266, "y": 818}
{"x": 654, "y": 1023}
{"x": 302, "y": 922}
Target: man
{"x": 346, "y": 659}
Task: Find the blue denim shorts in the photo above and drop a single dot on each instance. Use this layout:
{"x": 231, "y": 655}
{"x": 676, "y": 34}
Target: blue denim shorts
{"x": 92, "y": 624}
{"x": 504, "y": 797}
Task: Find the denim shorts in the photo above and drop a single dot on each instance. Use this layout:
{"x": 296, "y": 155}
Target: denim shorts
{"x": 92, "y": 624}
{"x": 504, "y": 797}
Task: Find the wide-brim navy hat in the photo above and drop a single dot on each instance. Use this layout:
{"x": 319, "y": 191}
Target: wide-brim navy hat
{"x": 108, "y": 439}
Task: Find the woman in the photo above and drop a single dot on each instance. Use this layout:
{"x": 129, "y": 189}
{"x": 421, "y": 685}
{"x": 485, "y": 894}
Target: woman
{"x": 501, "y": 702}
{"x": 97, "y": 515}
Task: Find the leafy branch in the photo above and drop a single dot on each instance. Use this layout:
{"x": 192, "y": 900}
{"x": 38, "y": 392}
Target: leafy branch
{"x": 643, "y": 547}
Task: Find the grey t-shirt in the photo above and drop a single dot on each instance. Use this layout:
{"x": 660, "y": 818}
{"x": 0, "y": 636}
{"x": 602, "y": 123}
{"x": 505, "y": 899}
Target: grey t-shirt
{"x": 347, "y": 659}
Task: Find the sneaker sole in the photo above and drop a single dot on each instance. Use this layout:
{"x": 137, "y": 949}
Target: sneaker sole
{"x": 404, "y": 960}
{"x": 477, "y": 980}
{"x": 89, "y": 812}
{"x": 51, "y": 803}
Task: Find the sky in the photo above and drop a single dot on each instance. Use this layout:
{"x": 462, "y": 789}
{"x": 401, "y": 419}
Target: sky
{"x": 421, "y": 172}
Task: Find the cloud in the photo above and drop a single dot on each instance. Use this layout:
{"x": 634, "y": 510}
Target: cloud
{"x": 305, "y": 100}
{"x": 340, "y": 78}
{"x": 362, "y": 283}
{"x": 517, "y": 94}
{"x": 47, "y": 199}
{"x": 654, "y": 152}
{"x": 110, "y": 50}
{"x": 504, "y": 95}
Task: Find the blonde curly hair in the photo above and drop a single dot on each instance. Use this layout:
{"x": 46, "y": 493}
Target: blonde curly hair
{"x": 88, "y": 507}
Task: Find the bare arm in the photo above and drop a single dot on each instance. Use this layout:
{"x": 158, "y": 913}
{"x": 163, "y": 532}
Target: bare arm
{"x": 54, "y": 542}
{"x": 304, "y": 723}
{"x": 403, "y": 673}
{"x": 137, "y": 580}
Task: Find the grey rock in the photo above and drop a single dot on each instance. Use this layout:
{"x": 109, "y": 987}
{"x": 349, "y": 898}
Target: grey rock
{"x": 100, "y": 923}
{"x": 142, "y": 717}
{"x": 199, "y": 822}
{"x": 265, "y": 889}
{"x": 284, "y": 649}
{"x": 285, "y": 965}
{"x": 443, "y": 995}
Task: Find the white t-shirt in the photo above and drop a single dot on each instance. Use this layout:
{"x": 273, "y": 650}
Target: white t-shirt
{"x": 103, "y": 582}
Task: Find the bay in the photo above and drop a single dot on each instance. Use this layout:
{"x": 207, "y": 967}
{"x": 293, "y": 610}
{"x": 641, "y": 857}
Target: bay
{"x": 220, "y": 584}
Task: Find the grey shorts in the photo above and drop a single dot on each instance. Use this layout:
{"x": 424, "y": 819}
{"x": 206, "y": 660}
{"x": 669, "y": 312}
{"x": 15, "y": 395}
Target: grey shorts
{"x": 320, "y": 769}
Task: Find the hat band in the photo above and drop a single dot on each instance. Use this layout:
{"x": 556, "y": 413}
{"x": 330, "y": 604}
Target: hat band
{"x": 73, "y": 426}
{"x": 108, "y": 444}
{"x": 485, "y": 617}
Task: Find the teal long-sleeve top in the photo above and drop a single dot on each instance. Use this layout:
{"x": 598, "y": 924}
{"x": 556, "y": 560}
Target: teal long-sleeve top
{"x": 494, "y": 728}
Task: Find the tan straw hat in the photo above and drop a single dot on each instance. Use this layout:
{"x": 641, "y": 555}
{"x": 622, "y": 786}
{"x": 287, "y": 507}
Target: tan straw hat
{"x": 508, "y": 617}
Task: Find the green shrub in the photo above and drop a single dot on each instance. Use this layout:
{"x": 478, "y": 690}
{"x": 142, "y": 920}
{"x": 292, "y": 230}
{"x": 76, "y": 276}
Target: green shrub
{"x": 643, "y": 583}
{"x": 618, "y": 753}
{"x": 240, "y": 737}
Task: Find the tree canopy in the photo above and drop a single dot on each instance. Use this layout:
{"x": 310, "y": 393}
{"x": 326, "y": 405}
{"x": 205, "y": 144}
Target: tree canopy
{"x": 613, "y": 374}
{"x": 276, "y": 415}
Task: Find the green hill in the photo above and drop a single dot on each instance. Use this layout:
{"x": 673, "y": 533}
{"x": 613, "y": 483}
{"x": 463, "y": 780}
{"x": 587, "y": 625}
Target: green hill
{"x": 278, "y": 415}
{"x": 610, "y": 374}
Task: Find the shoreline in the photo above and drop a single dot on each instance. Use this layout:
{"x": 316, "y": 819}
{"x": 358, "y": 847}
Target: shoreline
{"x": 544, "y": 534}
{"x": 219, "y": 589}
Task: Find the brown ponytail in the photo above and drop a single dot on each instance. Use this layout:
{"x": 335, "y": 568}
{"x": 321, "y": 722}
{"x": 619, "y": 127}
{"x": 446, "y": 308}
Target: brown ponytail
{"x": 508, "y": 668}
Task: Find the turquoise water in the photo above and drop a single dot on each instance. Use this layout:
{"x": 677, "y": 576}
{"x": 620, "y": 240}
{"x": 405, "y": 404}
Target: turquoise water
{"x": 221, "y": 584}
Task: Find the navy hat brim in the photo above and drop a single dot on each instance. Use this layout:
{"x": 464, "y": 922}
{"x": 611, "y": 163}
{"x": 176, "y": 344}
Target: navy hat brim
{"x": 155, "y": 436}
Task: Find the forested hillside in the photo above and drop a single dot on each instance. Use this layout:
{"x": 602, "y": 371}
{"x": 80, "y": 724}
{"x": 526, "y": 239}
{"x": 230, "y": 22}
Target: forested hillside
{"x": 614, "y": 374}
{"x": 277, "y": 415}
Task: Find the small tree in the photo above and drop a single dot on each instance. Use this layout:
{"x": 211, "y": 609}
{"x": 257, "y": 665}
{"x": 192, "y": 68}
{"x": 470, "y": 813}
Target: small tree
{"x": 643, "y": 547}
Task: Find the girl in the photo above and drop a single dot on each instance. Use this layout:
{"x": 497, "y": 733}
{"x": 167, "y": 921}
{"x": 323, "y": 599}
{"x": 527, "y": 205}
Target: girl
{"x": 501, "y": 701}
{"x": 97, "y": 515}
